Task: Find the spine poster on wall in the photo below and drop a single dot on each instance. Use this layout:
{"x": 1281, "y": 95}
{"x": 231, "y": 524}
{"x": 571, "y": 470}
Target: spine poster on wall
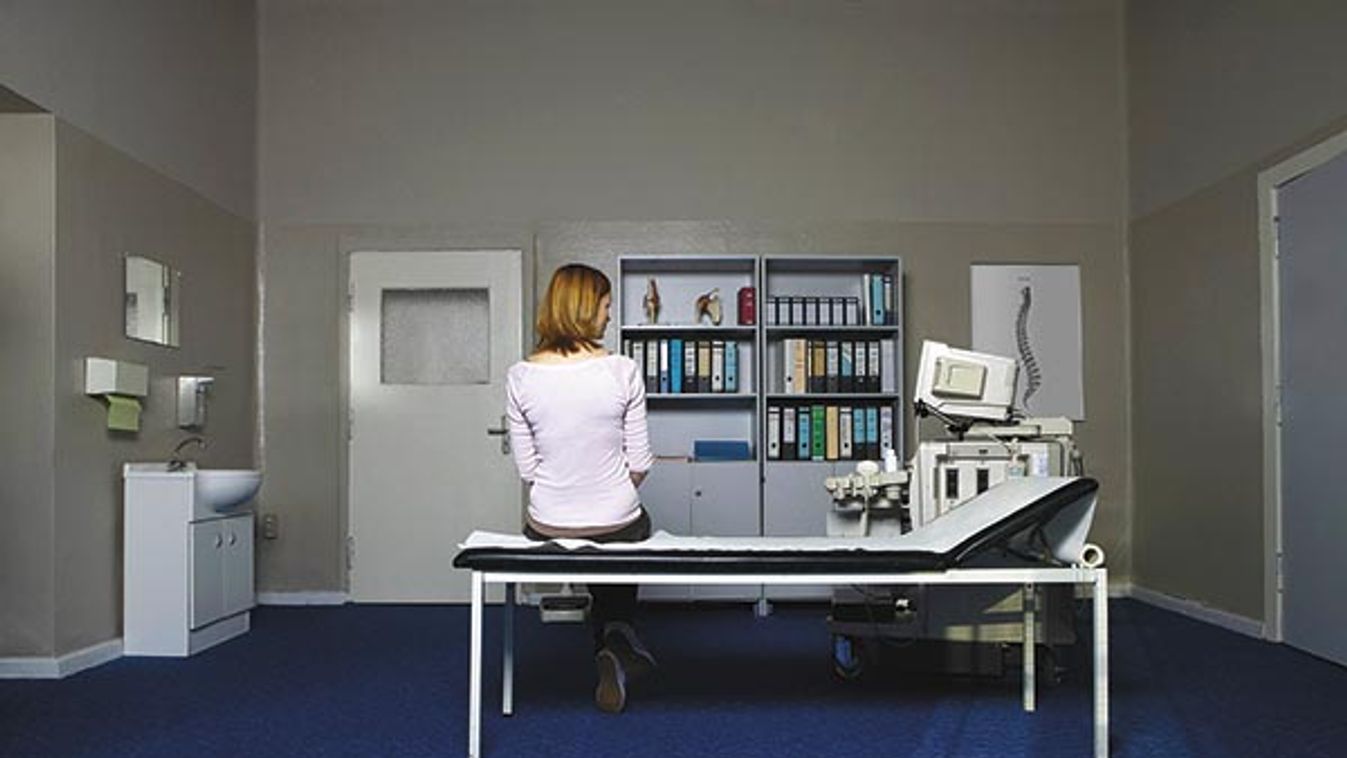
{"x": 1032, "y": 314}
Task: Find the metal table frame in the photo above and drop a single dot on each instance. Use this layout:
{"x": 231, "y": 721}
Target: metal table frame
{"x": 1027, "y": 578}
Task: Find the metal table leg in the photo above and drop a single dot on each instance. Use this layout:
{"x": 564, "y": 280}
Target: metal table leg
{"x": 507, "y": 673}
{"x": 1028, "y": 601}
{"x": 475, "y": 671}
{"x": 1101, "y": 663}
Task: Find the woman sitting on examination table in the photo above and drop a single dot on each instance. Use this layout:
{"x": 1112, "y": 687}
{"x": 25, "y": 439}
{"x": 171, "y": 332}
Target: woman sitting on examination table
{"x": 578, "y": 432}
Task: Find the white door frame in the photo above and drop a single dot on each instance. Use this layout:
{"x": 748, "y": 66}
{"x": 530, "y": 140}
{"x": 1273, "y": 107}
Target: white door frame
{"x": 1269, "y": 182}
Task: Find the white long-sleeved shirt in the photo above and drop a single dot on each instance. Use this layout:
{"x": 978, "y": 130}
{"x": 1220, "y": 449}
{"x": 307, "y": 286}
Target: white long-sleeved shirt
{"x": 577, "y": 431}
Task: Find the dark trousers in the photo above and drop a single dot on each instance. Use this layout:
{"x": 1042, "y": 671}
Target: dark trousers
{"x": 612, "y": 602}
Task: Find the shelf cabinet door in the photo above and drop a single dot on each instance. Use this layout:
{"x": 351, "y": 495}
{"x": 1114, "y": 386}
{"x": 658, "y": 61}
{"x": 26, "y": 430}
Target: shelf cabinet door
{"x": 665, "y": 495}
{"x": 725, "y": 499}
{"x": 725, "y": 504}
{"x": 237, "y": 569}
{"x": 206, "y": 602}
{"x": 794, "y": 504}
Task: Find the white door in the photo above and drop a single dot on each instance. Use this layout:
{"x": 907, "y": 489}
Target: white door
{"x": 432, "y": 334}
{"x": 207, "y": 598}
{"x": 237, "y": 568}
{"x": 1312, "y": 245}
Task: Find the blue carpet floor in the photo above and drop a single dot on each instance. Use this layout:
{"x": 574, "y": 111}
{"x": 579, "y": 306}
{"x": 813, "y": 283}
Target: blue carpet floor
{"x": 392, "y": 681}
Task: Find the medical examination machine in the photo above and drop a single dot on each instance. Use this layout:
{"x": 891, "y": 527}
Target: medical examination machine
{"x": 985, "y": 442}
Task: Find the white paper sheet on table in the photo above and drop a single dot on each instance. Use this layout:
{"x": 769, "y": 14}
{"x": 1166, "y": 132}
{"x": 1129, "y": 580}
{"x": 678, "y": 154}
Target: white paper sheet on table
{"x": 1065, "y": 534}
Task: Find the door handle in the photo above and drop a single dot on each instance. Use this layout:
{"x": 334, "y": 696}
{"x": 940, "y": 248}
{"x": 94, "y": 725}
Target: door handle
{"x": 503, "y": 432}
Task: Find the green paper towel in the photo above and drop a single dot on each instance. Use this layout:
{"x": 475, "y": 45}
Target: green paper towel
{"x": 123, "y": 413}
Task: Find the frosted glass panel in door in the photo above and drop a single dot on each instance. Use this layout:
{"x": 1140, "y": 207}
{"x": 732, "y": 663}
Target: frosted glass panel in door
{"x": 435, "y": 336}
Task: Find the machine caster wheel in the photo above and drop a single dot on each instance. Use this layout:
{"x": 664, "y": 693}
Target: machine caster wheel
{"x": 848, "y": 657}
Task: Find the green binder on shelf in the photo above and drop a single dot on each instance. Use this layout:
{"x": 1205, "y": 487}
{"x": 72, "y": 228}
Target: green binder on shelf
{"x": 818, "y": 432}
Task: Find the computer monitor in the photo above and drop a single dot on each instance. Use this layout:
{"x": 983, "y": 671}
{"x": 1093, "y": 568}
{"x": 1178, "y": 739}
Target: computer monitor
{"x": 962, "y": 384}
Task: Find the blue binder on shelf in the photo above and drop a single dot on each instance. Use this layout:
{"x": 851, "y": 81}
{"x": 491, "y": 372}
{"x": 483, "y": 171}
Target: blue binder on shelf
{"x": 675, "y": 365}
{"x": 803, "y": 438}
{"x": 878, "y": 316}
{"x": 872, "y": 432}
{"x": 721, "y": 450}
{"x": 731, "y": 366}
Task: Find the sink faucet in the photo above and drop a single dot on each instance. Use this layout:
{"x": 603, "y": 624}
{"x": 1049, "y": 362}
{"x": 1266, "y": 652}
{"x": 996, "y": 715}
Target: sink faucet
{"x": 177, "y": 461}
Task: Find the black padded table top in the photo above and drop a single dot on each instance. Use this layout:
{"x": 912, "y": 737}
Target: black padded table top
{"x": 866, "y": 556}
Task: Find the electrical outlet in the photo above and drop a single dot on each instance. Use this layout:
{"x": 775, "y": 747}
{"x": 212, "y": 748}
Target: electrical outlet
{"x": 271, "y": 526}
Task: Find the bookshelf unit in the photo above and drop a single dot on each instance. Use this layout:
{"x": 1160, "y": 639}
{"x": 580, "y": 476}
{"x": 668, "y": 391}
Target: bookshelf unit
{"x": 683, "y": 494}
{"x": 766, "y": 493}
{"x": 832, "y": 344}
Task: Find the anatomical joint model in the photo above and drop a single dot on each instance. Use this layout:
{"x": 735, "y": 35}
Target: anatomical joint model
{"x": 651, "y": 301}
{"x": 709, "y": 305}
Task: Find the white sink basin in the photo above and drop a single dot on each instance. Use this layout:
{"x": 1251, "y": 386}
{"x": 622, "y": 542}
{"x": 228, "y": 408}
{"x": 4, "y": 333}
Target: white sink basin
{"x": 223, "y": 489}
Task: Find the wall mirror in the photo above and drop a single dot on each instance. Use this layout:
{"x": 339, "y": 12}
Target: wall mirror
{"x": 151, "y": 301}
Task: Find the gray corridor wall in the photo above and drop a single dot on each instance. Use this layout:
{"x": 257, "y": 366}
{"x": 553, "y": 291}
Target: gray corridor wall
{"x": 164, "y": 159}
{"x": 1218, "y": 90}
{"x": 27, "y": 463}
{"x": 94, "y": 206}
{"x": 1197, "y": 365}
{"x": 171, "y": 83}
{"x": 109, "y": 205}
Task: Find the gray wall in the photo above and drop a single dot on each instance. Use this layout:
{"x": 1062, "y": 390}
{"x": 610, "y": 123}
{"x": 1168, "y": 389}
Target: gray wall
{"x": 1217, "y": 85}
{"x": 429, "y": 111}
{"x": 990, "y": 130}
{"x": 27, "y": 449}
{"x": 1217, "y": 92}
{"x": 172, "y": 83}
{"x": 80, "y": 208}
{"x": 151, "y": 146}
{"x": 109, "y": 205}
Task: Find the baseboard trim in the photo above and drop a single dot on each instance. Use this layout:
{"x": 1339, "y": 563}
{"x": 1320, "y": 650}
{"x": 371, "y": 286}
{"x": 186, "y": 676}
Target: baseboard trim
{"x": 1195, "y": 610}
{"x": 303, "y": 598}
{"x": 62, "y": 666}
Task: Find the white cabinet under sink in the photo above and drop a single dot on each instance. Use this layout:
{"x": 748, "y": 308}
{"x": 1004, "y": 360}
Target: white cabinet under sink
{"x": 188, "y": 563}
{"x": 222, "y": 569}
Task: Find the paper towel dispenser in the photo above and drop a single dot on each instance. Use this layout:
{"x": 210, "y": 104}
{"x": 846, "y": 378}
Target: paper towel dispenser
{"x": 105, "y": 376}
{"x": 121, "y": 384}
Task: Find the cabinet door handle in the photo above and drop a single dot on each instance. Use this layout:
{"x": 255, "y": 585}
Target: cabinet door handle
{"x": 233, "y": 538}
{"x": 219, "y": 540}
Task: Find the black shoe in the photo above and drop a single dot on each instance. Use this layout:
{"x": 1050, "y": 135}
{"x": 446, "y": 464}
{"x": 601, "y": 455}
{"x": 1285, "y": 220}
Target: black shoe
{"x": 620, "y": 638}
{"x": 611, "y": 694}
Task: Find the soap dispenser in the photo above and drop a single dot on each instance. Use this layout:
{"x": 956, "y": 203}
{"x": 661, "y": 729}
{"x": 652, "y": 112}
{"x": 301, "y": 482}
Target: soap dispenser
{"x": 192, "y": 394}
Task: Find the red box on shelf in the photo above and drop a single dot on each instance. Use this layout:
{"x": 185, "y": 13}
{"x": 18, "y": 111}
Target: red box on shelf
{"x": 747, "y": 307}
